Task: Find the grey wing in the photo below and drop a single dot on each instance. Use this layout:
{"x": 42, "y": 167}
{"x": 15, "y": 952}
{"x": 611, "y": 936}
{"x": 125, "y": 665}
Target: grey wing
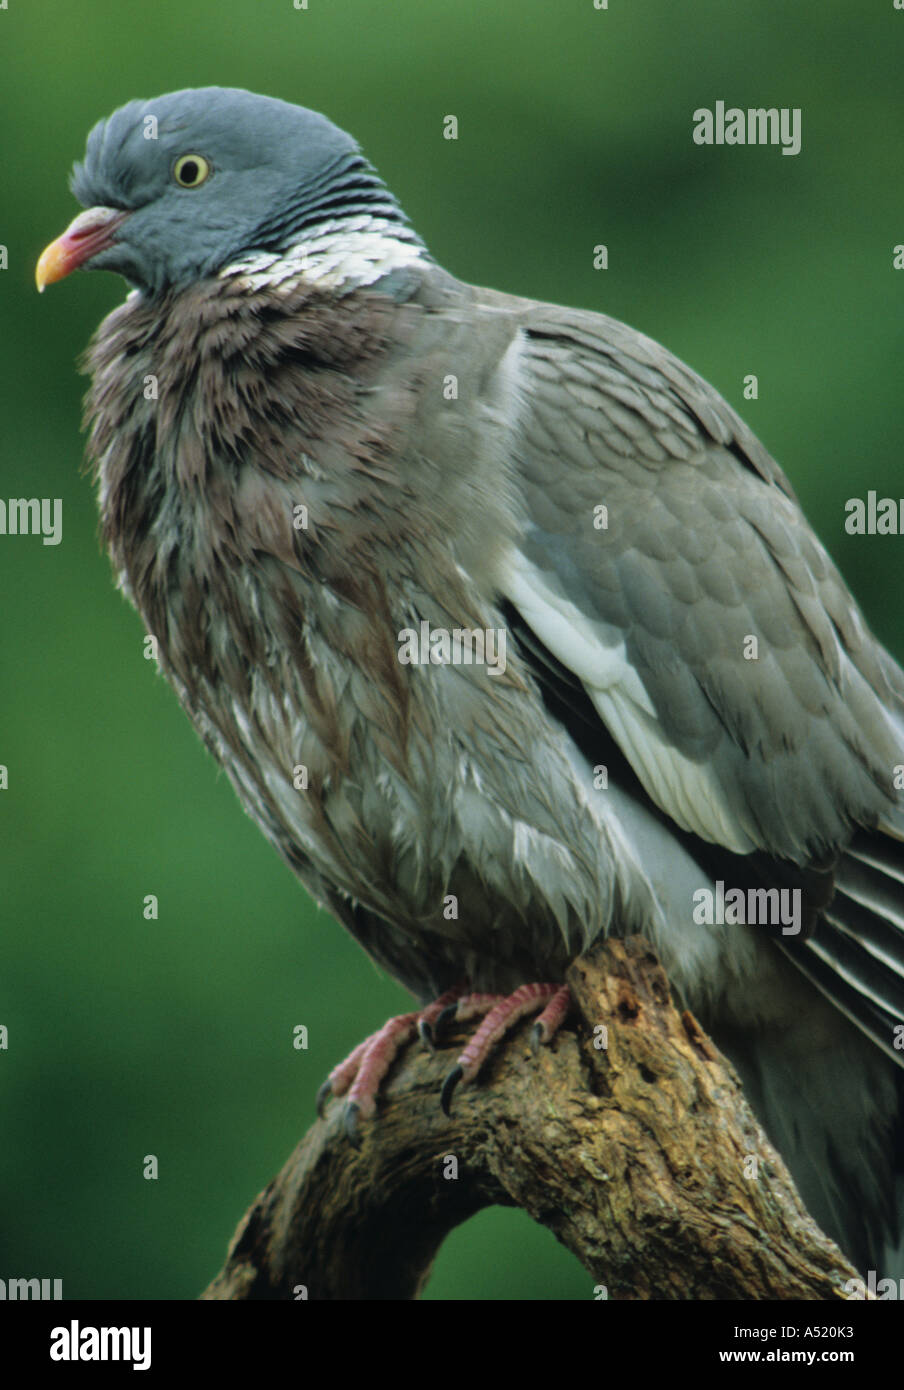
{"x": 712, "y": 632}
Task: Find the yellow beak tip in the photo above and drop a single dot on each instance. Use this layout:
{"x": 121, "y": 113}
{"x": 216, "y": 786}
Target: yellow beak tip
{"x": 52, "y": 265}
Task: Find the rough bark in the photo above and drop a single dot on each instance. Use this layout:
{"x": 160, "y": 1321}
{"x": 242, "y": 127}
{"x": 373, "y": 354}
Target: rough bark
{"x": 641, "y": 1156}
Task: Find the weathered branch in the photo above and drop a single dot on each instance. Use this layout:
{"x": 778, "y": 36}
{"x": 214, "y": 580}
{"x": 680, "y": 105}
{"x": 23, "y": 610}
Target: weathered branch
{"x": 636, "y": 1156}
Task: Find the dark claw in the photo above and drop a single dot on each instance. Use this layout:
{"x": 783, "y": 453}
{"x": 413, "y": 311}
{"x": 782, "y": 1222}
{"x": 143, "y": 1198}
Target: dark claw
{"x": 537, "y": 1036}
{"x": 444, "y": 1018}
{"x": 426, "y": 1033}
{"x": 448, "y": 1090}
{"x": 323, "y": 1096}
{"x": 351, "y": 1120}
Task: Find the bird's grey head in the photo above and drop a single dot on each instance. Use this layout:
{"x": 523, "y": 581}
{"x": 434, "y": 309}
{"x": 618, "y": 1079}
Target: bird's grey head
{"x": 209, "y": 173}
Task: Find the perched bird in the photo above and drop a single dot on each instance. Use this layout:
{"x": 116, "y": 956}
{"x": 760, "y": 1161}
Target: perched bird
{"x": 507, "y": 630}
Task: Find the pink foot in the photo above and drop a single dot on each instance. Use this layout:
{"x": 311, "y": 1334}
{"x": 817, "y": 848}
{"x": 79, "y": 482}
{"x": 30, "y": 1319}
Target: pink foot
{"x": 501, "y": 1013}
{"x": 364, "y": 1069}
{"x": 360, "y": 1076}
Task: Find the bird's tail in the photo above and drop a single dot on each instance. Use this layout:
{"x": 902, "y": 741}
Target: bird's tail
{"x": 856, "y": 955}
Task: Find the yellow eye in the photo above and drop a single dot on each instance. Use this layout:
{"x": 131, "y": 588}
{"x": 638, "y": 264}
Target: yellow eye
{"x": 191, "y": 170}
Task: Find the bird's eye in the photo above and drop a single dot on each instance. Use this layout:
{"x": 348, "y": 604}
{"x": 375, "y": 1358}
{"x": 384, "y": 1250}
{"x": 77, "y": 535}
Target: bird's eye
{"x": 191, "y": 170}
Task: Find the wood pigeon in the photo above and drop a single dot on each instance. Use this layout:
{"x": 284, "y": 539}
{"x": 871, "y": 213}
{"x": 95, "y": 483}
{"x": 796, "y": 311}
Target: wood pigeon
{"x": 507, "y": 630}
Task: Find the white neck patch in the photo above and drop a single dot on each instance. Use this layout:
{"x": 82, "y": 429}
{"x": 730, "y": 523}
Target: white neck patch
{"x": 341, "y": 254}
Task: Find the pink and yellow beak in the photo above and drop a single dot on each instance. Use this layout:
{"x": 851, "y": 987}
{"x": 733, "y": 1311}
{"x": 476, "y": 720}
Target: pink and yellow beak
{"x": 90, "y": 232}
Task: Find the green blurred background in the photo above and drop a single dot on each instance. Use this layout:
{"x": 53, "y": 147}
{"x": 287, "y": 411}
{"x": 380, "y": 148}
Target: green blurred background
{"x": 173, "y": 1037}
